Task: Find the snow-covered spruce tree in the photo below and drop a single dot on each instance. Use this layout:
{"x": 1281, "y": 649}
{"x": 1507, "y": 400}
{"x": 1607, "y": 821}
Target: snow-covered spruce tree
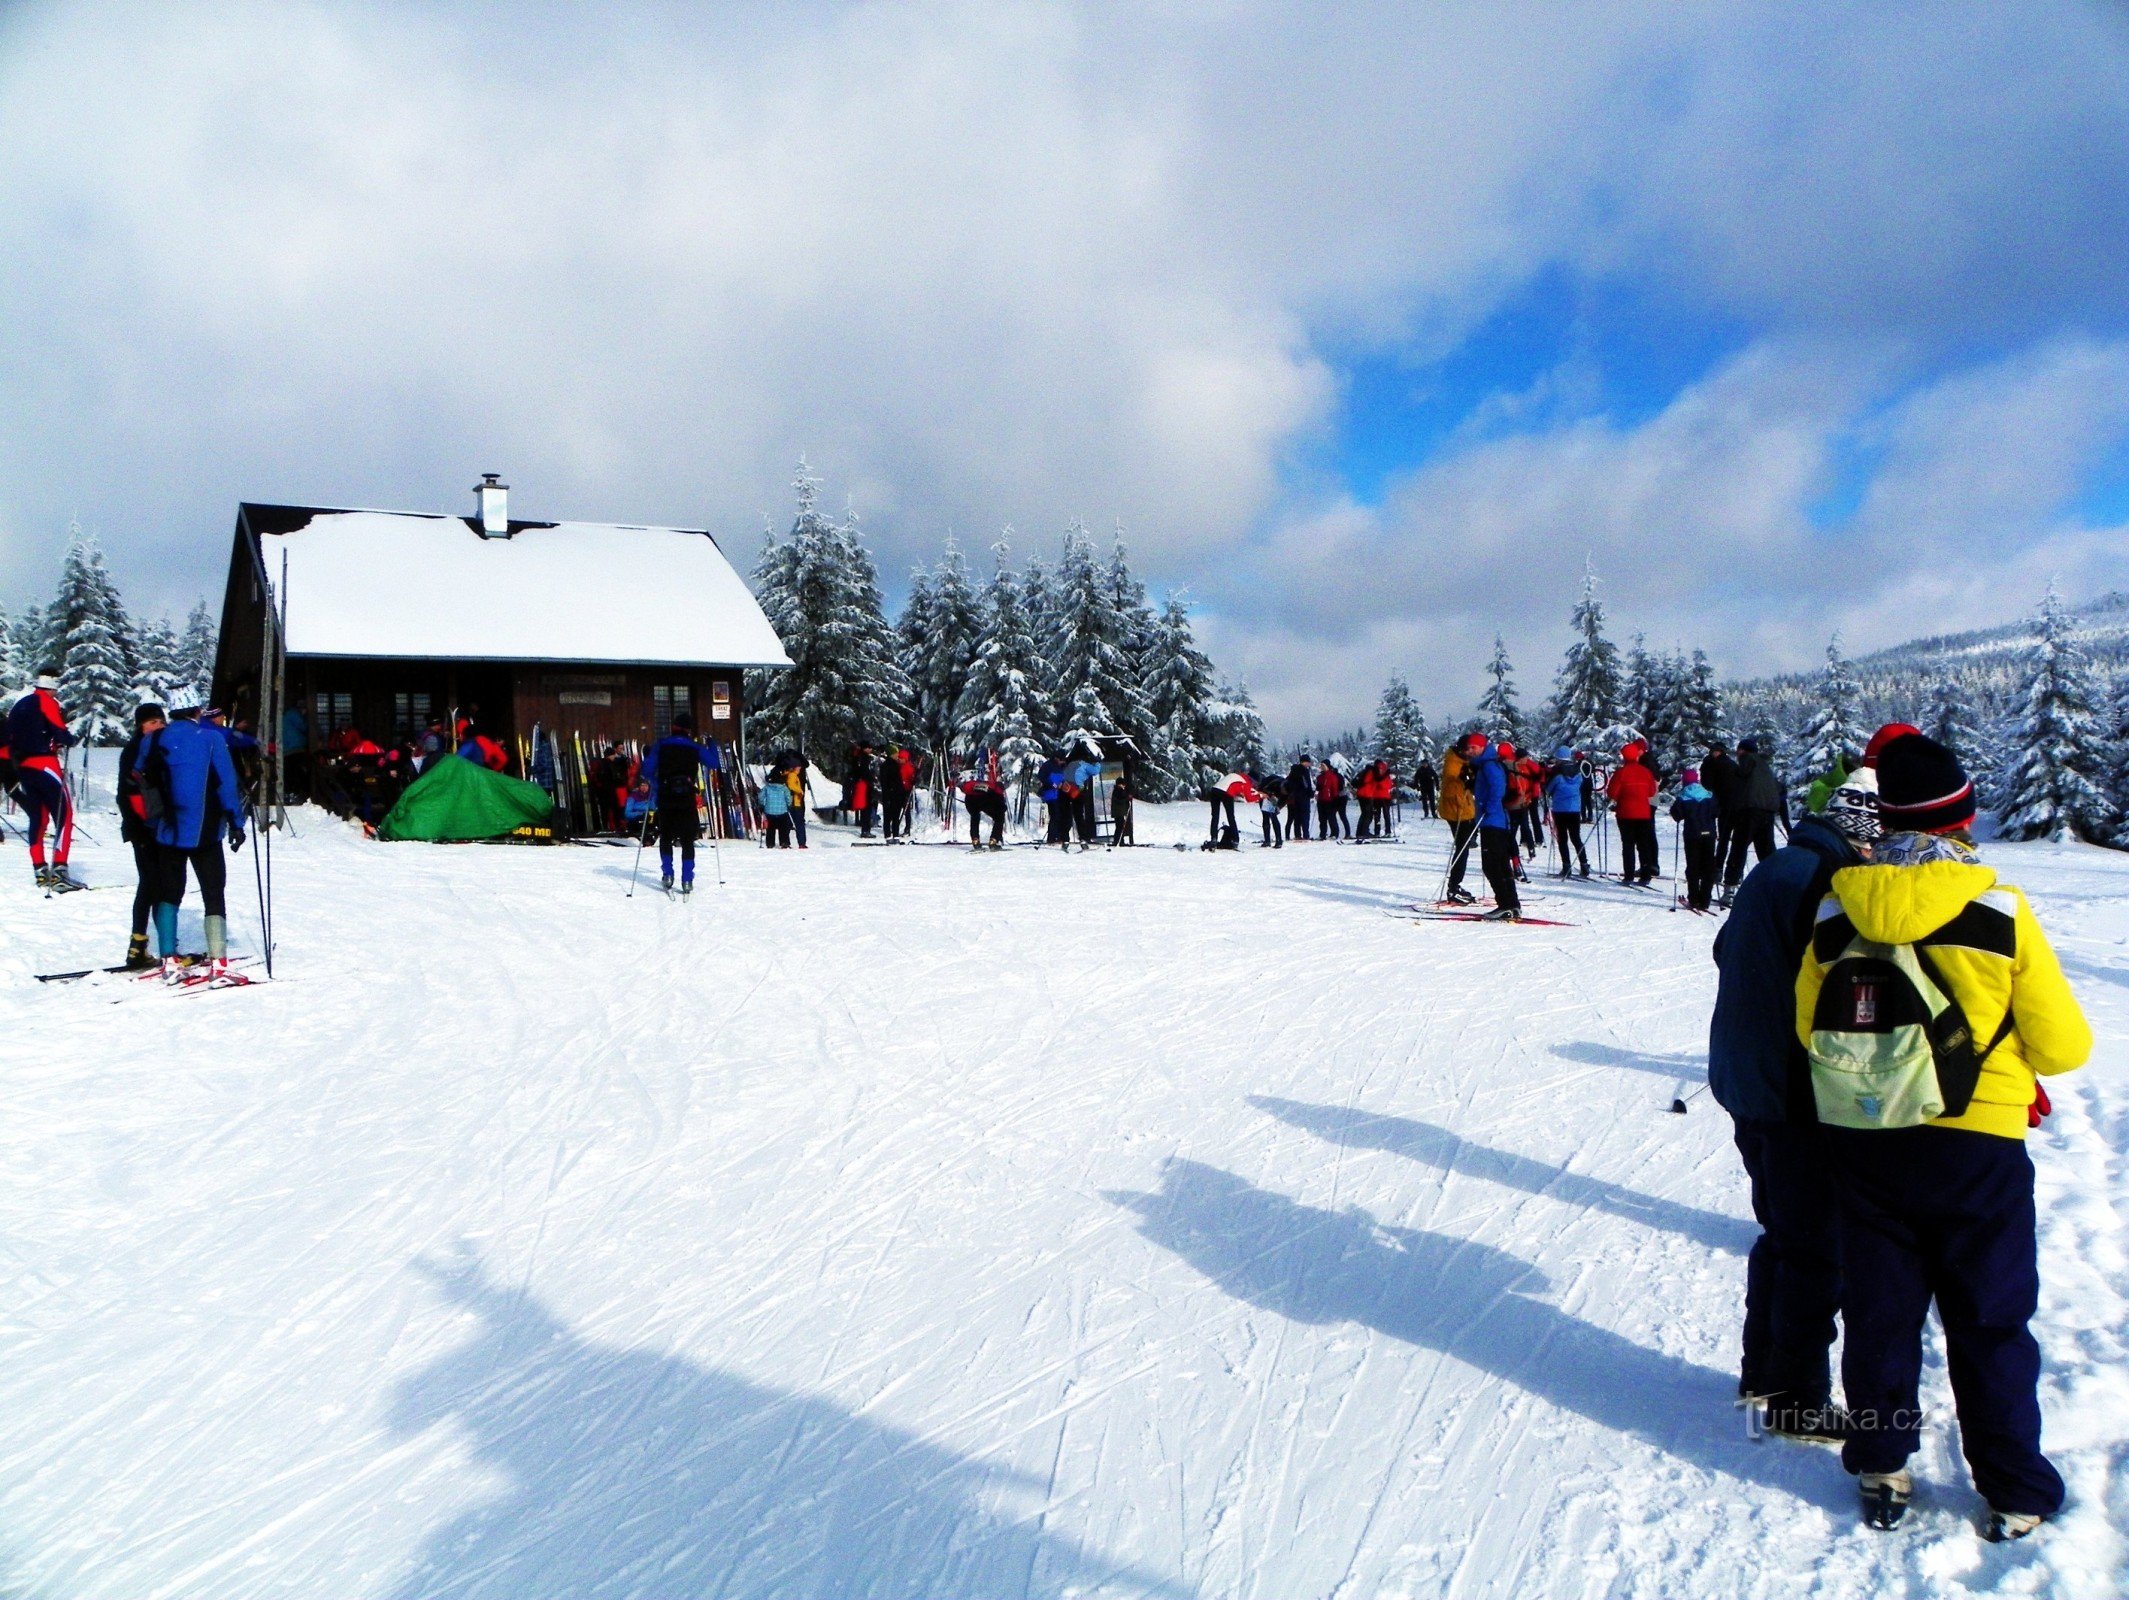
{"x": 1180, "y": 689}
{"x": 1950, "y": 720}
{"x": 1091, "y": 648}
{"x": 2056, "y": 784}
{"x": 943, "y": 666}
{"x": 158, "y": 669}
{"x": 1699, "y": 707}
{"x": 997, "y": 706}
{"x": 1400, "y": 735}
{"x": 1234, "y": 731}
{"x": 821, "y": 593}
{"x": 2118, "y": 754}
{"x": 1087, "y": 722}
{"x": 195, "y": 649}
{"x": 35, "y": 648}
{"x": 11, "y": 673}
{"x": 1662, "y": 710}
{"x": 1497, "y": 706}
{"x": 1585, "y": 696}
{"x": 1635, "y": 687}
{"x": 1835, "y": 735}
{"x": 96, "y": 667}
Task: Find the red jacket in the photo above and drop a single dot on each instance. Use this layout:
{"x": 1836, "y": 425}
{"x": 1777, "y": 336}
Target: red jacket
{"x": 1632, "y": 792}
{"x": 1329, "y": 786}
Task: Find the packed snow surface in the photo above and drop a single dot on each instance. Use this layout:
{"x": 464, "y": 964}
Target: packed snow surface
{"x": 897, "y": 1222}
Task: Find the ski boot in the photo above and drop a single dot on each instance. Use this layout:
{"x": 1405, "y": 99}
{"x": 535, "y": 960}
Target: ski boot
{"x": 62, "y": 881}
{"x": 665, "y": 883}
{"x": 2005, "y": 1526}
{"x": 44, "y": 877}
{"x": 1501, "y": 914}
{"x": 1804, "y": 1421}
{"x": 1885, "y": 1497}
{"x": 137, "y": 957}
{"x": 687, "y": 886}
{"x": 173, "y": 972}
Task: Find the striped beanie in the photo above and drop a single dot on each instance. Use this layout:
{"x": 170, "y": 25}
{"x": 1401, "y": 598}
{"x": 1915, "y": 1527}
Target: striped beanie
{"x": 1921, "y": 788}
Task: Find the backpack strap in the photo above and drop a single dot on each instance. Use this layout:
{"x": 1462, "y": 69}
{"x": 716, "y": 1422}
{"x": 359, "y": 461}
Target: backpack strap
{"x": 2003, "y": 1028}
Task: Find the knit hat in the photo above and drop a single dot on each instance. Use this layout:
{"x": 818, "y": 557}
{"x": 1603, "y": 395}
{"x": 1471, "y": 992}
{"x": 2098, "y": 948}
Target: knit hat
{"x": 1505, "y": 750}
{"x": 46, "y": 682}
{"x": 1852, "y": 809}
{"x": 1691, "y": 775}
{"x": 1921, "y": 788}
{"x": 1748, "y": 747}
{"x": 1885, "y": 736}
{"x": 1564, "y": 753}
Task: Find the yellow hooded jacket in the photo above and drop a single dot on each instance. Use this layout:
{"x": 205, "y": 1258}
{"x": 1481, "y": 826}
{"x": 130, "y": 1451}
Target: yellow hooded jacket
{"x": 1455, "y": 803}
{"x": 1985, "y": 941}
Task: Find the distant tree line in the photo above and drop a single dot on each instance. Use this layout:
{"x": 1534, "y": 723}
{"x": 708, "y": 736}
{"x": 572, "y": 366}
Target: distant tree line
{"x": 1026, "y": 660}
{"x": 106, "y": 661}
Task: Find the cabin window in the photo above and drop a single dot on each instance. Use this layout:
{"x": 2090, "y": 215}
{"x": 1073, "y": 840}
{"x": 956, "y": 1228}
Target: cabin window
{"x": 330, "y": 713}
{"x": 410, "y": 714}
{"x": 670, "y": 700}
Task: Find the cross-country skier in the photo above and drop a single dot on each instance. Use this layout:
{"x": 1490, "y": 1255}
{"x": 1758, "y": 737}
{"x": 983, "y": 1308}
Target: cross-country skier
{"x": 863, "y": 790}
{"x": 1563, "y": 793}
{"x": 1698, "y": 824}
{"x": 1718, "y": 775}
{"x": 1632, "y": 793}
{"x": 1082, "y": 775}
{"x": 897, "y": 778}
{"x": 1460, "y": 812}
{"x": 1271, "y": 807}
{"x": 1221, "y": 797}
{"x": 1330, "y": 804}
{"x": 775, "y": 805}
{"x": 1942, "y": 1210}
{"x": 190, "y": 796}
{"x": 1423, "y": 784}
{"x": 1496, "y": 835}
{"x": 983, "y": 793}
{"x": 37, "y": 737}
{"x": 1299, "y": 790}
{"x": 1122, "y": 830}
{"x": 139, "y": 833}
{"x": 1758, "y": 805}
{"x": 672, "y": 777}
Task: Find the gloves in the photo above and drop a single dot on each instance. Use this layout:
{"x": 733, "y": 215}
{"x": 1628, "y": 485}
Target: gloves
{"x": 236, "y": 837}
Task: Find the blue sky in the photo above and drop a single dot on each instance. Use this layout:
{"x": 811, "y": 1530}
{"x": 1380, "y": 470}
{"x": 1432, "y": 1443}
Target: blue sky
{"x": 1370, "y": 323}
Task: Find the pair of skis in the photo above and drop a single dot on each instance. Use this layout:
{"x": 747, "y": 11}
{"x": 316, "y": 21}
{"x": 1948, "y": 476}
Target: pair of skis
{"x": 193, "y": 965}
{"x": 1457, "y": 911}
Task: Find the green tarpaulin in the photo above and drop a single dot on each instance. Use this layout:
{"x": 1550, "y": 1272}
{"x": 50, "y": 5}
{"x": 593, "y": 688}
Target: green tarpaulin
{"x": 460, "y": 799}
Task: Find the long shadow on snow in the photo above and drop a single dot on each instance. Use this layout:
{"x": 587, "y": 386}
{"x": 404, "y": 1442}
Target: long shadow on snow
{"x": 634, "y": 1474}
{"x": 1690, "y": 1066}
{"x": 1347, "y": 894}
{"x": 1469, "y": 1301}
{"x": 1438, "y": 1147}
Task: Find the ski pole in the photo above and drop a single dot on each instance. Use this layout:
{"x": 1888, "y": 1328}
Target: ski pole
{"x": 258, "y": 884}
{"x": 717, "y": 827}
{"x": 1680, "y": 1102}
{"x": 642, "y": 838}
{"x": 1677, "y": 858}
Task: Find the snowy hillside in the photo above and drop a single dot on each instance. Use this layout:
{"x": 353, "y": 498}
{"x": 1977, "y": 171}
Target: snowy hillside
{"x": 895, "y": 1222}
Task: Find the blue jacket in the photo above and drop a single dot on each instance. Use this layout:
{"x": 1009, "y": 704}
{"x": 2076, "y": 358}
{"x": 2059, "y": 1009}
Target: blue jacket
{"x": 203, "y": 784}
{"x": 1047, "y": 780}
{"x": 1082, "y": 775}
{"x": 776, "y": 797}
{"x": 1696, "y": 808}
{"x": 1756, "y": 1069}
{"x": 1489, "y": 789}
{"x": 1563, "y": 792}
{"x": 35, "y": 727}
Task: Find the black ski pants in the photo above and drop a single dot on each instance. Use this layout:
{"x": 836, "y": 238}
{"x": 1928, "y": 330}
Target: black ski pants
{"x": 1700, "y": 870}
{"x": 146, "y": 875}
{"x": 1496, "y": 854}
{"x": 1274, "y": 829}
{"x": 1083, "y": 816}
{"x": 1943, "y": 1214}
{"x": 1748, "y": 829}
{"x": 1121, "y": 831}
{"x": 677, "y": 825}
{"x": 1331, "y": 821}
{"x": 1529, "y": 835}
{"x": 1637, "y": 850}
{"x": 894, "y": 815}
{"x": 983, "y": 805}
{"x": 209, "y": 866}
{"x": 1793, "y": 1276}
{"x": 1426, "y": 802}
{"x": 1370, "y": 811}
{"x": 776, "y": 832}
{"x": 1297, "y": 819}
{"x": 1060, "y": 829}
{"x": 1220, "y": 802}
{"x": 1567, "y": 825}
{"x": 1462, "y": 841}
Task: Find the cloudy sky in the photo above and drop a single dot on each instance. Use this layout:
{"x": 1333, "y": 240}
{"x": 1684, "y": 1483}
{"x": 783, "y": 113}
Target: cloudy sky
{"x": 1369, "y": 323}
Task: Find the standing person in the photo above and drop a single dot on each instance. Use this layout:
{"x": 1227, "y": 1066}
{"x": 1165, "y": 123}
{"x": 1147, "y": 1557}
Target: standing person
{"x": 1330, "y": 804}
{"x": 1718, "y": 775}
{"x": 1083, "y": 776}
{"x": 37, "y": 739}
{"x": 295, "y": 753}
{"x": 139, "y": 833}
{"x": 1938, "y": 1208}
{"x": 1121, "y": 829}
{"x": 190, "y": 796}
{"x": 775, "y": 802}
{"x": 1423, "y": 783}
{"x": 1760, "y": 1075}
{"x": 1300, "y": 791}
{"x": 1563, "y": 793}
{"x": 983, "y": 794}
{"x": 1222, "y": 797}
{"x": 672, "y": 776}
{"x": 1759, "y": 802}
{"x": 1529, "y": 773}
{"x": 1632, "y": 793}
{"x": 1460, "y": 811}
{"x": 1367, "y": 789}
{"x": 1271, "y": 808}
{"x": 1524, "y": 794}
{"x": 1698, "y": 823}
{"x": 794, "y": 777}
{"x": 1056, "y": 804}
{"x": 1496, "y": 836}
{"x": 894, "y": 794}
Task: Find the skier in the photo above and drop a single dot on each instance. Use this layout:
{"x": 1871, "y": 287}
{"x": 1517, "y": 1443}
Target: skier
{"x": 1222, "y": 797}
{"x": 1759, "y": 803}
{"x": 983, "y": 794}
{"x": 1632, "y": 793}
{"x": 1423, "y": 783}
{"x": 189, "y": 797}
{"x": 1121, "y": 830}
{"x": 37, "y": 737}
{"x": 1459, "y": 810}
{"x": 775, "y": 802}
{"x": 1299, "y": 790}
{"x": 1271, "y": 805}
{"x": 1330, "y": 804}
{"x": 896, "y": 775}
{"x": 863, "y": 790}
{"x": 1081, "y": 776}
{"x": 1563, "y": 792}
{"x": 135, "y": 829}
{"x": 1699, "y": 822}
{"x": 1496, "y": 837}
{"x": 1524, "y": 794}
{"x": 1942, "y": 1209}
{"x": 1370, "y": 789}
{"x": 1718, "y": 775}
{"x": 672, "y": 776}
{"x": 1056, "y": 804}
{"x": 1760, "y": 1075}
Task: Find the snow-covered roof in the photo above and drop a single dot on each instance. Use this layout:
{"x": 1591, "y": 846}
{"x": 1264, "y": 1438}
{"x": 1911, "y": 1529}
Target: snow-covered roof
{"x": 394, "y": 583}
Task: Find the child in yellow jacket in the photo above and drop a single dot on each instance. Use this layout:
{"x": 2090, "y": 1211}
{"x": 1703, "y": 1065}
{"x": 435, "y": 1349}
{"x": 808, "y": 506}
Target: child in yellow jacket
{"x": 1944, "y": 1210}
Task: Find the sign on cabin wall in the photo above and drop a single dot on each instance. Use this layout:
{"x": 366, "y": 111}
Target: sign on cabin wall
{"x": 587, "y": 697}
{"x": 584, "y": 680}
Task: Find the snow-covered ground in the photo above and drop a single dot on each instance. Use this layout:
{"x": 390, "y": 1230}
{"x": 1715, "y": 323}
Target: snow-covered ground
{"x": 900, "y": 1222}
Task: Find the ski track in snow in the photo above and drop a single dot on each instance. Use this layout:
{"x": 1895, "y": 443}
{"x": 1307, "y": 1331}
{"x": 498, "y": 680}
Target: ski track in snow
{"x": 900, "y": 1222}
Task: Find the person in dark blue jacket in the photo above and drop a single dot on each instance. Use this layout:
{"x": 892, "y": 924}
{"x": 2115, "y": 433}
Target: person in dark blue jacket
{"x": 190, "y": 794}
{"x": 672, "y": 775}
{"x": 1699, "y": 821}
{"x": 1563, "y": 794}
{"x": 1496, "y": 844}
{"x": 1758, "y": 1072}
